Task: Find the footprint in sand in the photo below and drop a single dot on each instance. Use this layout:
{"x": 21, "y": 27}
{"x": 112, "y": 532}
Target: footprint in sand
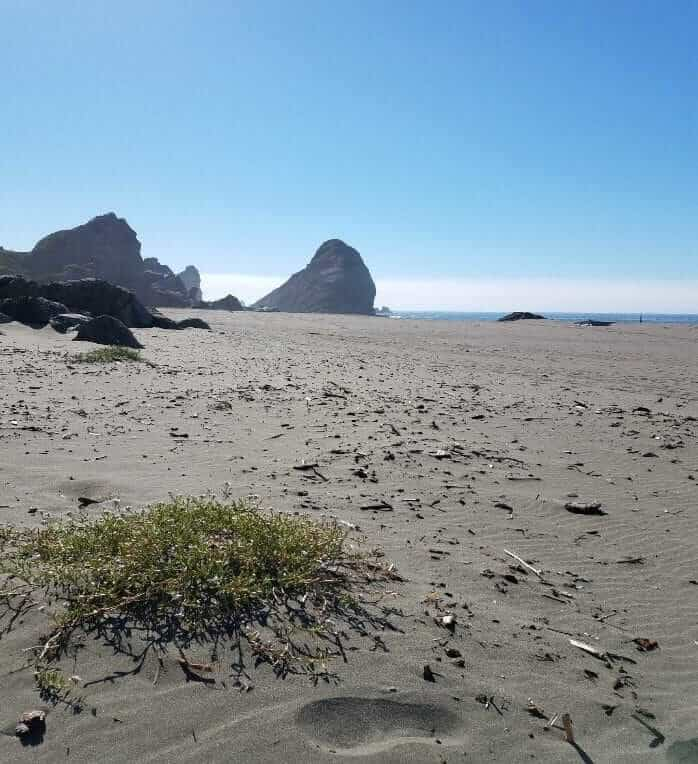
{"x": 683, "y": 752}
{"x": 357, "y": 724}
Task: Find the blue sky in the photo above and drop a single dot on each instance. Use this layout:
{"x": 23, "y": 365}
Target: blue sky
{"x": 452, "y": 143}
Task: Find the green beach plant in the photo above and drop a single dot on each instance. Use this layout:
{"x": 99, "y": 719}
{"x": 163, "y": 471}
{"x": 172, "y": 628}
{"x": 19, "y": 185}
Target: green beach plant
{"x": 109, "y": 354}
{"x": 196, "y": 570}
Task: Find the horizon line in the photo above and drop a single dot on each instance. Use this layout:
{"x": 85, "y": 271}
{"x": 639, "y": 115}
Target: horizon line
{"x": 495, "y": 295}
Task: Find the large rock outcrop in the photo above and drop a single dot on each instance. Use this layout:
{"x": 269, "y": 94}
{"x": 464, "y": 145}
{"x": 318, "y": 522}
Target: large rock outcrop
{"x": 229, "y": 302}
{"x": 30, "y": 309}
{"x": 87, "y": 296}
{"x": 105, "y": 248}
{"x": 335, "y": 281}
{"x": 107, "y": 330}
{"x": 191, "y": 278}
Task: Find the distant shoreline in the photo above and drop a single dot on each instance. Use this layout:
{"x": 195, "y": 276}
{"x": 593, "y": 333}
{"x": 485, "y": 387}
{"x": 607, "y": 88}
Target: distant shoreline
{"x": 620, "y": 318}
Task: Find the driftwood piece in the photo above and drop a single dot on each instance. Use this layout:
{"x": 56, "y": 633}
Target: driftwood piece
{"x": 524, "y": 563}
{"x": 590, "y": 508}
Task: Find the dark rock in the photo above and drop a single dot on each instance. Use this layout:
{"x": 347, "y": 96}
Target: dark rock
{"x": 31, "y": 725}
{"x": 107, "y": 330}
{"x": 18, "y": 286}
{"x": 162, "y": 322}
{"x": 193, "y": 323}
{"x": 12, "y": 262}
{"x": 34, "y": 311}
{"x": 593, "y": 322}
{"x": 105, "y": 248}
{"x": 164, "y": 288}
{"x": 335, "y": 281}
{"x": 88, "y": 297}
{"x": 100, "y": 298}
{"x": 521, "y": 316}
{"x": 64, "y": 322}
{"x": 225, "y": 303}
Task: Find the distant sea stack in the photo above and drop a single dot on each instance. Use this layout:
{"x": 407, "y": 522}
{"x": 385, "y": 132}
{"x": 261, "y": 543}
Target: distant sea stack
{"x": 229, "y": 302}
{"x": 521, "y": 315}
{"x": 104, "y": 248}
{"x": 191, "y": 278}
{"x": 335, "y": 281}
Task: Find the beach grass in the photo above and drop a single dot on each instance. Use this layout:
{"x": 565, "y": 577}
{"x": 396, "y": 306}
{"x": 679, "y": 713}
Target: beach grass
{"x": 191, "y": 569}
{"x": 109, "y": 354}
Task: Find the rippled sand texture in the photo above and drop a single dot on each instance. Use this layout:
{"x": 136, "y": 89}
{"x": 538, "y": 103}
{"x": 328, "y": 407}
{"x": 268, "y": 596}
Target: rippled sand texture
{"x": 446, "y": 443}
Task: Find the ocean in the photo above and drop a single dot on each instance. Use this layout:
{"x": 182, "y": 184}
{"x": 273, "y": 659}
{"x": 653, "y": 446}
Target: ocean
{"x": 624, "y": 318}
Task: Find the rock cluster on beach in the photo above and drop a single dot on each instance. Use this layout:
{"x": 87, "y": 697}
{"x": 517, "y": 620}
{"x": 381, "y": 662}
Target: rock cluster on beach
{"x": 68, "y": 305}
{"x": 335, "y": 281}
{"x": 225, "y": 303}
{"x": 108, "y": 249}
{"x": 521, "y": 315}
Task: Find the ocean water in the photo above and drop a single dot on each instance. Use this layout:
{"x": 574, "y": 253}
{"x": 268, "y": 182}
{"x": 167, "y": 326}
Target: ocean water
{"x": 624, "y": 318}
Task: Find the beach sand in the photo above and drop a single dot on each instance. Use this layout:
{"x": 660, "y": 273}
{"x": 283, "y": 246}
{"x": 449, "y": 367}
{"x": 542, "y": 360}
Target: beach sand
{"x": 474, "y": 436}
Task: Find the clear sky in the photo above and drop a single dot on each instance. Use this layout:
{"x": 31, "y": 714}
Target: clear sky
{"x": 528, "y": 152}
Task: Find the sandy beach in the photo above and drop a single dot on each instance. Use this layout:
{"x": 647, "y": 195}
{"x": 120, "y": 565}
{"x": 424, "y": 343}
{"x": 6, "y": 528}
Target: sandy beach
{"x": 449, "y": 445}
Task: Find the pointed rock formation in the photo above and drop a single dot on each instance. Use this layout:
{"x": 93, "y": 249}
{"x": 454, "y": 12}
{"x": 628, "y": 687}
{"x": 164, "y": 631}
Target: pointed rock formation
{"x": 335, "y": 281}
{"x": 105, "y": 248}
{"x": 191, "y": 278}
{"x": 229, "y": 302}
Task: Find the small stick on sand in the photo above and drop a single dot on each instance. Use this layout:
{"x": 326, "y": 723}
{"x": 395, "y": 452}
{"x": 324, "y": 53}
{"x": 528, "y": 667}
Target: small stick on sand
{"x": 588, "y": 649}
{"x": 567, "y": 724}
{"x": 524, "y": 563}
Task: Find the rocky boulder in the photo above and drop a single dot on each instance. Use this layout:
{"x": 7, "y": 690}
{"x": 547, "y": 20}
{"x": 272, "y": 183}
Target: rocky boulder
{"x": 100, "y": 298}
{"x": 88, "y": 296}
{"x": 105, "y": 248}
{"x": 193, "y": 323}
{"x": 65, "y": 322}
{"x": 521, "y": 316}
{"x": 33, "y": 311}
{"x": 335, "y": 281}
{"x": 225, "y": 303}
{"x": 107, "y": 330}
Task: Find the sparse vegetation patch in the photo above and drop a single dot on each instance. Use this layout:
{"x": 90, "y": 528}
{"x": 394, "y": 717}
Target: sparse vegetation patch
{"x": 109, "y": 354}
{"x": 195, "y": 570}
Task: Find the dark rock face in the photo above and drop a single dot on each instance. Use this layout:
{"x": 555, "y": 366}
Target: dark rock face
{"x": 18, "y": 286}
{"x": 33, "y": 311}
{"x": 88, "y": 296}
{"x": 64, "y": 322}
{"x": 225, "y": 303}
{"x": 107, "y": 330}
{"x": 105, "y": 248}
{"x": 191, "y": 278}
{"x": 521, "y": 316}
{"x": 162, "y": 287}
{"x": 335, "y": 281}
{"x": 100, "y": 298}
